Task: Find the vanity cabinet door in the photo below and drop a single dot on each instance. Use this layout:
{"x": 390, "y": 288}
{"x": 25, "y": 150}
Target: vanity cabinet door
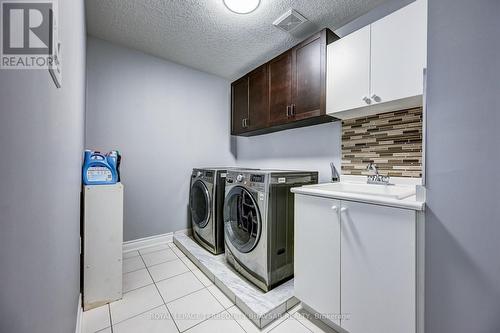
{"x": 378, "y": 247}
{"x": 317, "y": 254}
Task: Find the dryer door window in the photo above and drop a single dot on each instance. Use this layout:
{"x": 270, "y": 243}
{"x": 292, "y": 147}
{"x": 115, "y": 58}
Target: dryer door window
{"x": 199, "y": 204}
{"x": 242, "y": 221}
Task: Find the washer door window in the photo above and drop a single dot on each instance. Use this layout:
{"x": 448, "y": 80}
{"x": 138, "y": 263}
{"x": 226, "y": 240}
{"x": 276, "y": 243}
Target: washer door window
{"x": 199, "y": 204}
{"x": 242, "y": 220}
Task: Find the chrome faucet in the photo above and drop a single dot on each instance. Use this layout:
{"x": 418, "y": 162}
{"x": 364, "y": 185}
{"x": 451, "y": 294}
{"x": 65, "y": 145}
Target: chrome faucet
{"x": 335, "y": 173}
{"x": 372, "y": 167}
{"x": 375, "y": 177}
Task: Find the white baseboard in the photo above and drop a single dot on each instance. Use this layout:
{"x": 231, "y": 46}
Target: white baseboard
{"x": 79, "y": 316}
{"x": 187, "y": 232}
{"x": 140, "y": 243}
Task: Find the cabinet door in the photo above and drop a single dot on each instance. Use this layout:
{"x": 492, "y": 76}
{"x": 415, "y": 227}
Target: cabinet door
{"x": 398, "y": 52}
{"x": 309, "y": 77}
{"x": 280, "y": 88}
{"x": 378, "y": 268}
{"x": 317, "y": 254}
{"x": 239, "y": 106}
{"x": 348, "y": 82}
{"x": 258, "y": 98}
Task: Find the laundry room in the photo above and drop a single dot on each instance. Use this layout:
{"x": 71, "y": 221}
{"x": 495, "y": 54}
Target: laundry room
{"x": 248, "y": 166}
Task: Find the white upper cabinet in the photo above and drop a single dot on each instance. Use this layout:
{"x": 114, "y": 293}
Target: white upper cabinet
{"x": 348, "y": 82}
{"x": 379, "y": 68}
{"x": 398, "y": 53}
{"x": 317, "y": 254}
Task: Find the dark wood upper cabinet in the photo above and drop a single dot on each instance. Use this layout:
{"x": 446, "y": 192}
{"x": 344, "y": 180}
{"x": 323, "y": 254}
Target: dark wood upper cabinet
{"x": 287, "y": 92}
{"x": 258, "y": 99}
{"x": 239, "y": 106}
{"x": 280, "y": 88}
{"x": 309, "y": 77}
{"x": 250, "y": 102}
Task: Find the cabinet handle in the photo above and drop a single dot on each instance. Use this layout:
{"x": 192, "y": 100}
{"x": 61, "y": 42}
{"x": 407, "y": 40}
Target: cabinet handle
{"x": 288, "y": 111}
{"x": 244, "y": 122}
{"x": 367, "y": 100}
{"x": 335, "y": 208}
{"x": 292, "y": 112}
{"x": 376, "y": 98}
{"x": 343, "y": 209}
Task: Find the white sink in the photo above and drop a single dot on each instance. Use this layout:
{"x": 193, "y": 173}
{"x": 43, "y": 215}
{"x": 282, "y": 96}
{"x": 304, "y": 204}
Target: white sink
{"x": 387, "y": 191}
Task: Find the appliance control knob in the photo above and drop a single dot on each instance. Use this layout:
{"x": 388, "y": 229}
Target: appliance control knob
{"x": 240, "y": 178}
{"x": 198, "y": 174}
{"x": 376, "y": 98}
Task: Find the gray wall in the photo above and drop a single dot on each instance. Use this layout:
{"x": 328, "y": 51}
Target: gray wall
{"x": 307, "y": 148}
{"x": 385, "y": 8}
{"x": 165, "y": 119}
{"x": 41, "y": 141}
{"x": 463, "y": 216}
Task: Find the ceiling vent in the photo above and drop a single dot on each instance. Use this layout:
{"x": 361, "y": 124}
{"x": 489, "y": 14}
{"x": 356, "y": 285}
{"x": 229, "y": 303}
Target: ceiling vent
{"x": 290, "y": 20}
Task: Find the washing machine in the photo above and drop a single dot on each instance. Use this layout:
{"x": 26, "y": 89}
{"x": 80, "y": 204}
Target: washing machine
{"x": 206, "y": 199}
{"x": 258, "y": 223}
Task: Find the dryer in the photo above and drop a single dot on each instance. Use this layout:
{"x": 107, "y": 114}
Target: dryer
{"x": 258, "y": 223}
{"x": 206, "y": 198}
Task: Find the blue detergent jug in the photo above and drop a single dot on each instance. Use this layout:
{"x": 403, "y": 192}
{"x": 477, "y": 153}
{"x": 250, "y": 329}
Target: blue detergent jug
{"x": 99, "y": 169}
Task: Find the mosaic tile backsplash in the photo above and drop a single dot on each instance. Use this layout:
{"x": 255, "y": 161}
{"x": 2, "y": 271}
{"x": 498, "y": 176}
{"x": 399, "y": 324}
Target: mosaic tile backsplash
{"x": 392, "y": 140}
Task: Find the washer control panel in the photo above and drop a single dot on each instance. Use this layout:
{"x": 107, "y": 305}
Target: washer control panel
{"x": 257, "y": 178}
{"x": 255, "y": 181}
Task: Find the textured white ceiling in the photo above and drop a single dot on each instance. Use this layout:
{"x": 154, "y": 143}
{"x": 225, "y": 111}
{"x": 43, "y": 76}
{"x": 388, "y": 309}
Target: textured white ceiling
{"x": 205, "y": 35}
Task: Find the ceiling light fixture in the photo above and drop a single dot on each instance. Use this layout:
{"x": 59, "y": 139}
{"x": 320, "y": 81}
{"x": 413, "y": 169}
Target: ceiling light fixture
{"x": 242, "y": 6}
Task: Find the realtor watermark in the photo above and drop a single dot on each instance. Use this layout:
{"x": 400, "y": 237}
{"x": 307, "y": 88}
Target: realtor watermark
{"x": 27, "y": 34}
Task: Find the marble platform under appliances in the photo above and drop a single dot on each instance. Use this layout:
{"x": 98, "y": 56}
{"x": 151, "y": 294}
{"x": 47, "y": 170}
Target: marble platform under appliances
{"x": 260, "y": 307}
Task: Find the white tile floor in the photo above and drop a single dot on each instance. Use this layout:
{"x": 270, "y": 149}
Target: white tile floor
{"x": 164, "y": 292}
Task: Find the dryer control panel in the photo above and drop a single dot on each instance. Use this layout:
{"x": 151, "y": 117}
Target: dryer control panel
{"x": 206, "y": 175}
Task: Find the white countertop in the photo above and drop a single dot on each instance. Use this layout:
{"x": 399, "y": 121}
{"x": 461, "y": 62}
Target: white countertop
{"x": 399, "y": 196}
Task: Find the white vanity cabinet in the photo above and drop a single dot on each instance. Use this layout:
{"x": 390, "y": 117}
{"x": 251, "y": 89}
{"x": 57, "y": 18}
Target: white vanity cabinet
{"x": 317, "y": 254}
{"x": 378, "y": 249}
{"x": 358, "y": 260}
{"x": 379, "y": 68}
